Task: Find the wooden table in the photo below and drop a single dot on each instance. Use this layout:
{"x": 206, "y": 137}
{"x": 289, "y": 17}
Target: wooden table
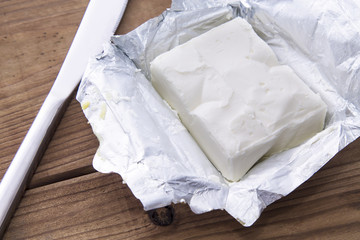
{"x": 68, "y": 199}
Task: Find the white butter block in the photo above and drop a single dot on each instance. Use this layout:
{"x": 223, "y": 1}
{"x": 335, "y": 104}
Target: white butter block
{"x": 235, "y": 99}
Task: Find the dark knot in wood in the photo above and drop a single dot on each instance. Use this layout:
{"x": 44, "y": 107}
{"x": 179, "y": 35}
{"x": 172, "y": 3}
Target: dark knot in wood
{"x": 162, "y": 216}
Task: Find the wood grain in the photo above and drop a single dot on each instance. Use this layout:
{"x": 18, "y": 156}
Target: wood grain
{"x": 139, "y": 11}
{"x": 34, "y": 39}
{"x": 73, "y": 146}
{"x": 44, "y": 39}
{"x": 99, "y": 206}
{"x": 68, "y": 200}
{"x": 70, "y": 152}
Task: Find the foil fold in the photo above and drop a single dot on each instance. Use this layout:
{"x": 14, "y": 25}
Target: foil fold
{"x": 143, "y": 140}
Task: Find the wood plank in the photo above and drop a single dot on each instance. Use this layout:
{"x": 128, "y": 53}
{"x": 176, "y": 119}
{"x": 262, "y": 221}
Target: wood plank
{"x": 42, "y": 32}
{"x": 139, "y": 11}
{"x": 34, "y": 39}
{"x": 99, "y": 206}
{"x": 70, "y": 151}
{"x": 73, "y": 146}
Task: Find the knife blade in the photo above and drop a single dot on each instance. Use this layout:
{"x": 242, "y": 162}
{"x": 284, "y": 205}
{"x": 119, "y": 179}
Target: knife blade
{"x": 99, "y": 23}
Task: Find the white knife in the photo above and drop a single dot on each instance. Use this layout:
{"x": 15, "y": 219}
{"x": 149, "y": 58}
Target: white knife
{"x": 99, "y": 23}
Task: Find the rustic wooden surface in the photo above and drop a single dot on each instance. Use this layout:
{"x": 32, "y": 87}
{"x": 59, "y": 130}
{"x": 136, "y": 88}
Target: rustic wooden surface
{"x": 67, "y": 199}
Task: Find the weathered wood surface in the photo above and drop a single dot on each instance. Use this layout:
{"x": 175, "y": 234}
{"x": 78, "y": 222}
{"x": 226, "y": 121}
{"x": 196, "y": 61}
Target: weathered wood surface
{"x": 68, "y": 200}
{"x": 34, "y": 40}
{"x": 35, "y": 37}
{"x": 98, "y": 206}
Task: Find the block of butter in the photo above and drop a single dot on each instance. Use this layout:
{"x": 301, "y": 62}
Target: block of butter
{"x": 235, "y": 99}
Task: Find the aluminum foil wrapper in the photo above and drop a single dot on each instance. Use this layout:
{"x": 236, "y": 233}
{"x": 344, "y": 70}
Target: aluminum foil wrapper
{"x": 143, "y": 140}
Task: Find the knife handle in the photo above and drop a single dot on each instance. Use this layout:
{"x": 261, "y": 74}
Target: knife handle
{"x": 27, "y": 157}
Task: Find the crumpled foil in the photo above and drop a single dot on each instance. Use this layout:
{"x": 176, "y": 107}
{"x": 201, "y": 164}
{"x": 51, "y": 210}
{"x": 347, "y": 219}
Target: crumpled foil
{"x": 143, "y": 140}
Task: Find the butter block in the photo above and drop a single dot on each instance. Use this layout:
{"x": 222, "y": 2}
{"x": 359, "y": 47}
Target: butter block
{"x": 235, "y": 99}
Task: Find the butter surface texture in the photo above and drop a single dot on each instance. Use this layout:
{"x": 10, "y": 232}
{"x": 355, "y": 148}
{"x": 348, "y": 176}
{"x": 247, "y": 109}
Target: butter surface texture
{"x": 234, "y": 97}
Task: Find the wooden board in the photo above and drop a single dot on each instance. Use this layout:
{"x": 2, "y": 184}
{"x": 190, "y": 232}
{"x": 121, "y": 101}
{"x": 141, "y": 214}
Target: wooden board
{"x": 35, "y": 37}
{"x": 35, "y": 45}
{"x": 99, "y": 206}
{"x": 66, "y": 199}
